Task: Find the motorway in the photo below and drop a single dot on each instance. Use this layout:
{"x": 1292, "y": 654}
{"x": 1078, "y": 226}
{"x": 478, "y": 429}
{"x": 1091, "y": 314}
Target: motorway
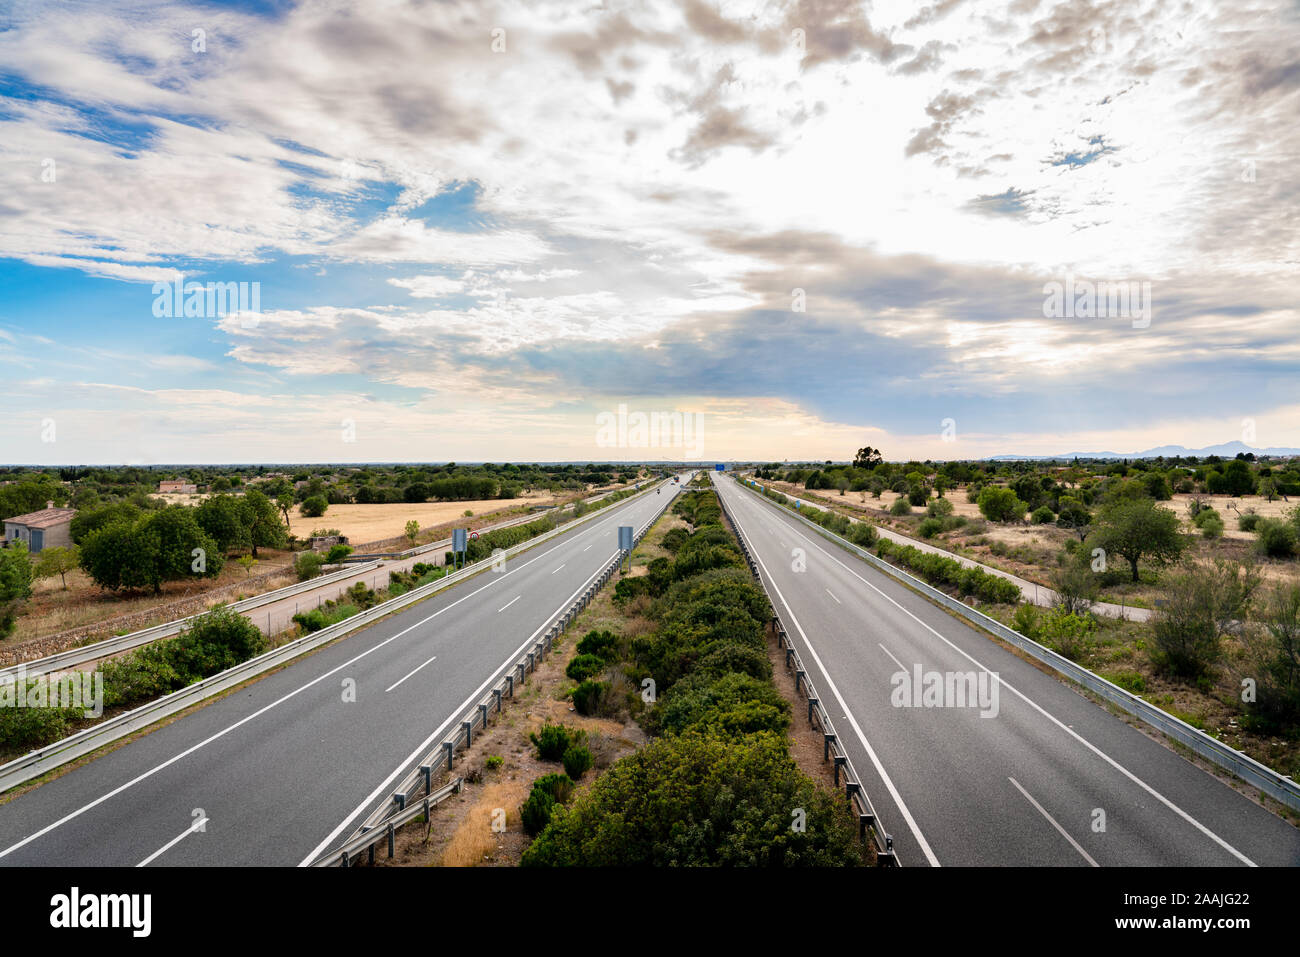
{"x": 286, "y": 767}
{"x": 1037, "y": 775}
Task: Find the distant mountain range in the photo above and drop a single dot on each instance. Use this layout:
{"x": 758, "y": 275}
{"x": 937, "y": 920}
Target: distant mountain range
{"x": 1227, "y": 450}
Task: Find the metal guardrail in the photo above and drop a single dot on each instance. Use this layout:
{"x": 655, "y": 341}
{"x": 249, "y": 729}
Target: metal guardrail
{"x": 120, "y": 643}
{"x": 832, "y": 749}
{"x": 412, "y": 797}
{"x": 42, "y": 760}
{"x": 1277, "y": 786}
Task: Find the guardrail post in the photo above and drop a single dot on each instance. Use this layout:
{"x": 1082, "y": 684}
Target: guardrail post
{"x": 344, "y": 862}
{"x": 391, "y": 833}
{"x": 469, "y": 732}
{"x": 510, "y": 688}
{"x": 840, "y": 761}
{"x": 851, "y": 788}
{"x": 451, "y": 752}
{"x": 798, "y": 677}
{"x": 531, "y": 666}
{"x": 400, "y": 800}
{"x": 789, "y": 656}
{"x": 427, "y": 771}
{"x": 812, "y": 706}
{"x": 482, "y": 710}
{"x": 828, "y": 740}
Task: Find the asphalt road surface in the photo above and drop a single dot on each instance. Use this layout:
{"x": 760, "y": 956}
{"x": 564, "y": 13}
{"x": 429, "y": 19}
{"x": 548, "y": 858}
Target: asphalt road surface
{"x": 1036, "y": 775}
{"x": 286, "y": 768}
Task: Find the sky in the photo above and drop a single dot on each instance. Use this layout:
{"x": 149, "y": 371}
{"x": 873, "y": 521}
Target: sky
{"x": 475, "y": 231}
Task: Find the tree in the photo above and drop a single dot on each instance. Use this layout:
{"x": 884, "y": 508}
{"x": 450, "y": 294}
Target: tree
{"x": 1200, "y": 605}
{"x": 222, "y": 517}
{"x": 57, "y": 560}
{"x": 1138, "y": 528}
{"x": 412, "y": 530}
{"x": 1001, "y": 504}
{"x": 164, "y": 546}
{"x": 247, "y": 562}
{"x": 284, "y": 502}
{"x": 868, "y": 458}
{"x": 1273, "y": 660}
{"x": 1075, "y": 516}
{"x": 89, "y": 521}
{"x": 15, "y": 584}
{"x": 262, "y": 518}
{"x": 314, "y": 507}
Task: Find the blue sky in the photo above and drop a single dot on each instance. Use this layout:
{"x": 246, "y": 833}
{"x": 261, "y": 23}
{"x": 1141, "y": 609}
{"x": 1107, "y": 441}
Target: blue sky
{"x": 816, "y": 225}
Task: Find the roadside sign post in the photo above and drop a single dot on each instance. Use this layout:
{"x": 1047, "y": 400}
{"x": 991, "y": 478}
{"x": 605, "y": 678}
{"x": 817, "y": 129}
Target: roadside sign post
{"x": 459, "y": 543}
{"x": 625, "y": 546}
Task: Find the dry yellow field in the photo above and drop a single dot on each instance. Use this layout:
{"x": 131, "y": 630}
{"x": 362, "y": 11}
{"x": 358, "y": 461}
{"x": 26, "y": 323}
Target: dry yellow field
{"x": 374, "y": 523}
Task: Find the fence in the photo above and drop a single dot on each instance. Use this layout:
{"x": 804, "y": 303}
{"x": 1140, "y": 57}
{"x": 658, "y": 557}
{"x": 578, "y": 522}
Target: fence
{"x": 819, "y": 719}
{"x": 1277, "y": 786}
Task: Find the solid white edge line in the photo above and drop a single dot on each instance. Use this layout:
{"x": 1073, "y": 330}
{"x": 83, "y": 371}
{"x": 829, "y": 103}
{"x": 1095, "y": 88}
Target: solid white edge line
{"x": 1056, "y": 721}
{"x": 871, "y": 753}
{"x": 1051, "y": 820}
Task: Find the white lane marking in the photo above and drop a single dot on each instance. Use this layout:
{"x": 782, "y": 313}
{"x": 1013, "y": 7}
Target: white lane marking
{"x": 832, "y": 594}
{"x": 408, "y": 674}
{"x": 1002, "y": 682}
{"x": 556, "y": 570}
{"x": 72, "y": 815}
{"x": 844, "y": 708}
{"x": 901, "y": 666}
{"x": 517, "y": 597}
{"x": 1051, "y": 820}
{"x": 589, "y": 546}
{"x": 455, "y": 714}
{"x": 196, "y": 826}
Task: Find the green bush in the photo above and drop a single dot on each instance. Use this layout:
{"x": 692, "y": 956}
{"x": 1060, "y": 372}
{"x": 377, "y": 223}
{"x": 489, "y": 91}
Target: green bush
{"x": 901, "y": 506}
{"x": 862, "y": 534}
{"x": 733, "y": 704}
{"x": 602, "y": 644}
{"x": 1042, "y": 515}
{"x": 939, "y": 508}
{"x": 557, "y": 785}
{"x": 929, "y": 528}
{"x": 536, "y": 811}
{"x": 217, "y": 640}
{"x": 583, "y": 667}
{"x": 577, "y": 761}
{"x": 337, "y": 553}
{"x": 1212, "y": 526}
{"x": 553, "y": 740}
{"x": 307, "y": 565}
{"x": 1275, "y": 538}
{"x": 1001, "y": 505}
{"x": 588, "y": 696}
{"x": 1131, "y": 681}
{"x": 28, "y": 728}
{"x": 699, "y": 800}
{"x": 1247, "y": 521}
{"x": 1025, "y": 620}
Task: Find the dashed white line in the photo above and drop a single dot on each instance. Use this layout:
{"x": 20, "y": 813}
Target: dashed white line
{"x": 832, "y": 594}
{"x": 408, "y": 674}
{"x": 510, "y": 602}
{"x": 1051, "y": 820}
{"x": 196, "y": 826}
{"x": 556, "y": 570}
